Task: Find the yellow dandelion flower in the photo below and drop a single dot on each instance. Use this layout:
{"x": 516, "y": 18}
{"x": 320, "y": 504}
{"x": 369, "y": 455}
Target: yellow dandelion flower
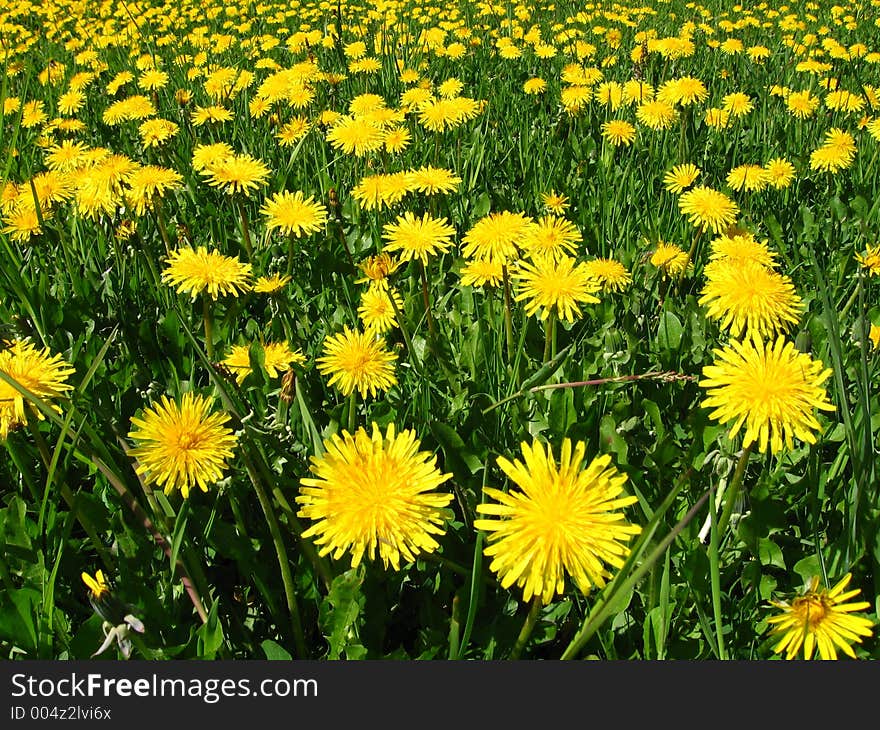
{"x": 820, "y": 619}
{"x": 374, "y": 494}
{"x": 611, "y": 274}
{"x": 707, "y": 208}
{"x": 619, "y": 132}
{"x": 496, "y": 236}
{"x": 770, "y": 388}
{"x": 670, "y": 259}
{"x": 39, "y": 371}
{"x": 431, "y": 180}
{"x": 376, "y": 310}
{"x": 656, "y": 114}
{"x": 562, "y": 519}
{"x": 747, "y": 298}
{"x": 418, "y": 238}
{"x": 293, "y": 214}
{"x": 551, "y": 236}
{"x": 182, "y": 445}
{"x": 357, "y": 360}
{"x": 482, "y": 272}
{"x": 196, "y": 270}
{"x": 681, "y": 177}
{"x": 780, "y": 173}
{"x": 554, "y": 202}
{"x": 276, "y": 358}
{"x": 239, "y": 173}
{"x": 271, "y": 284}
{"x": 355, "y": 135}
{"x": 870, "y": 260}
{"x": 747, "y": 177}
{"x": 555, "y": 283}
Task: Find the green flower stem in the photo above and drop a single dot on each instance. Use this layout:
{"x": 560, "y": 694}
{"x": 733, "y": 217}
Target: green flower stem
{"x": 291, "y": 246}
{"x": 245, "y": 231}
{"x": 528, "y": 626}
{"x": 209, "y": 327}
{"x": 160, "y": 224}
{"x": 352, "y": 410}
{"x": 733, "y": 490}
{"x": 620, "y": 585}
{"x": 715, "y": 581}
{"x": 405, "y": 332}
{"x": 281, "y": 553}
{"x": 432, "y": 328}
{"x": 508, "y": 317}
{"x": 550, "y": 335}
{"x": 849, "y": 302}
{"x": 322, "y": 567}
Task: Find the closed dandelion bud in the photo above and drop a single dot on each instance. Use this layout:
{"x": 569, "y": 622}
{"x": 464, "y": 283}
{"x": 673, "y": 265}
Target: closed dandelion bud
{"x": 288, "y": 386}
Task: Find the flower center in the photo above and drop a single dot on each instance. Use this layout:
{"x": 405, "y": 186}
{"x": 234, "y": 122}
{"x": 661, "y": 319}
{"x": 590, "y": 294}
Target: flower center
{"x": 187, "y": 441}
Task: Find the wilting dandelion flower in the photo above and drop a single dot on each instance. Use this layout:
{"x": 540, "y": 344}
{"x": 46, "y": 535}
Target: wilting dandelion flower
{"x": 196, "y": 270}
{"x": 770, "y": 388}
{"x": 376, "y": 269}
{"x": 276, "y": 358}
{"x": 98, "y": 586}
{"x": 357, "y": 360}
{"x": 820, "y": 619}
{"x": 42, "y": 373}
{"x": 374, "y": 494}
{"x": 670, "y": 259}
{"x": 748, "y": 298}
{"x": 271, "y": 284}
{"x": 182, "y": 445}
{"x": 561, "y": 520}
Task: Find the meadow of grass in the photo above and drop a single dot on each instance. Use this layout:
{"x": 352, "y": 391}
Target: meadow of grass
{"x": 113, "y": 118}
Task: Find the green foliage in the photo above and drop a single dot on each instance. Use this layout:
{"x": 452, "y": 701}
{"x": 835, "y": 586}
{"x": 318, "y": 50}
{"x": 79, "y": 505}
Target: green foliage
{"x": 227, "y": 573}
